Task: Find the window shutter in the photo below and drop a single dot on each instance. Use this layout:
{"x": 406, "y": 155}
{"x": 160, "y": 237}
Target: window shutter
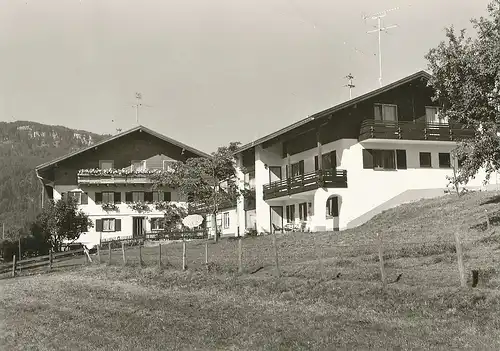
{"x": 401, "y": 159}
{"x": 98, "y": 225}
{"x": 167, "y": 196}
{"x": 98, "y": 198}
{"x": 286, "y": 171}
{"x": 301, "y": 167}
{"x": 85, "y": 199}
{"x": 367, "y": 159}
{"x": 148, "y": 196}
{"x": 118, "y": 225}
{"x": 316, "y": 165}
{"x": 118, "y": 197}
{"x": 128, "y": 197}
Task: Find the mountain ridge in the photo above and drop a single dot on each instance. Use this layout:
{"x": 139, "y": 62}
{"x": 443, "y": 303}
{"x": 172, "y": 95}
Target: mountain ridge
{"x": 23, "y": 146}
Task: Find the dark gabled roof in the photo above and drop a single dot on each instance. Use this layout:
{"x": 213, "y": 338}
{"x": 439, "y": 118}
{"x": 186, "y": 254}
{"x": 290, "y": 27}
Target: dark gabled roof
{"x": 117, "y": 136}
{"x": 324, "y": 113}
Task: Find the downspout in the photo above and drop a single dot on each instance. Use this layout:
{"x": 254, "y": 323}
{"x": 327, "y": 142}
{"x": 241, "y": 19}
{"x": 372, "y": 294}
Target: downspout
{"x": 43, "y": 186}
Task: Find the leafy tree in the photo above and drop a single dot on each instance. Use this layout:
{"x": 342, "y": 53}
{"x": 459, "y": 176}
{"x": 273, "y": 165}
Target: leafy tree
{"x": 60, "y": 221}
{"x": 173, "y": 216}
{"x": 206, "y": 182}
{"x": 466, "y": 79}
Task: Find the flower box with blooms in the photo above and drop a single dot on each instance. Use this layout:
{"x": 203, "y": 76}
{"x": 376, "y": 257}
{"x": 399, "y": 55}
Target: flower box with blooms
{"x": 107, "y": 206}
{"x": 139, "y": 207}
{"x": 124, "y": 172}
{"x": 162, "y": 205}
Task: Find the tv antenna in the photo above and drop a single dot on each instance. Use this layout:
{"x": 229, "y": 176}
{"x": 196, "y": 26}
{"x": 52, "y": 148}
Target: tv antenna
{"x": 379, "y": 30}
{"x": 138, "y": 98}
{"x": 350, "y": 85}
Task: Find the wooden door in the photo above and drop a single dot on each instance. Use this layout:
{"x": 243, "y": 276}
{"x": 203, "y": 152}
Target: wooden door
{"x": 276, "y": 218}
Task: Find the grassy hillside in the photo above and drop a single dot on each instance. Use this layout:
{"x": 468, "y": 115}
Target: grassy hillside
{"x": 23, "y": 146}
{"x": 124, "y": 308}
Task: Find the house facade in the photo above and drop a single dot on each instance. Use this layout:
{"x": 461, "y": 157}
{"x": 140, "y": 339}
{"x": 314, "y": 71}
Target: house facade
{"x": 338, "y": 168}
{"x": 111, "y": 182}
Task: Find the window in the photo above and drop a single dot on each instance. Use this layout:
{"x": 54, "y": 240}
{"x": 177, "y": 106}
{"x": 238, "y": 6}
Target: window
{"x": 108, "y": 197}
{"x": 226, "y": 220}
{"x": 332, "y": 207}
{"x": 425, "y": 160}
{"x": 290, "y": 213}
{"x": 432, "y": 115}
{"x": 297, "y": 169}
{"x": 157, "y": 223}
{"x": 80, "y": 197}
{"x": 303, "y": 211}
{"x": 444, "y": 160}
{"x": 105, "y": 164}
{"x": 157, "y": 196}
{"x": 383, "y": 159}
{"x": 108, "y": 225}
{"x": 138, "y": 165}
{"x": 329, "y": 161}
{"x": 168, "y": 165}
{"x": 138, "y": 196}
{"x": 385, "y": 112}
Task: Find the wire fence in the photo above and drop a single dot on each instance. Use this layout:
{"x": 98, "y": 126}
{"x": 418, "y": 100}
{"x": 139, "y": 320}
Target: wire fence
{"x": 433, "y": 262}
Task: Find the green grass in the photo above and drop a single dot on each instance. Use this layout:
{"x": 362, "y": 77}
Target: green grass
{"x": 333, "y": 303}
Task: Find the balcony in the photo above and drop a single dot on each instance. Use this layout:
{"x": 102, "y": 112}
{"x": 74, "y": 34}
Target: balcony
{"x": 97, "y": 176}
{"x": 372, "y": 129}
{"x": 306, "y": 182}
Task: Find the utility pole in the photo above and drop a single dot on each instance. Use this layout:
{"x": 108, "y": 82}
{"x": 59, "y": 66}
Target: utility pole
{"x": 350, "y": 85}
{"x": 379, "y": 30}
{"x": 138, "y": 98}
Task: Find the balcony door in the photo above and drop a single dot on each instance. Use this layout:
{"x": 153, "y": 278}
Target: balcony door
{"x": 432, "y": 115}
{"x": 138, "y": 226}
{"x": 386, "y": 112}
{"x": 297, "y": 169}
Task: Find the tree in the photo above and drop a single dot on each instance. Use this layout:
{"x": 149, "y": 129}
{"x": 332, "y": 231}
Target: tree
{"x": 60, "y": 221}
{"x": 206, "y": 182}
{"x": 466, "y": 79}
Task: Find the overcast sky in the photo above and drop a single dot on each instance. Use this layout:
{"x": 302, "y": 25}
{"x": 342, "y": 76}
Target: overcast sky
{"x": 213, "y": 71}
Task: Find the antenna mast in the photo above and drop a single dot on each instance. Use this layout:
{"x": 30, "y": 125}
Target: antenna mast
{"x": 379, "y": 30}
{"x": 350, "y": 85}
{"x": 138, "y": 98}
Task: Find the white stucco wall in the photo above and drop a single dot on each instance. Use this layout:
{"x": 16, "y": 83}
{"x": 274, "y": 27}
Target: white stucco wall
{"x": 232, "y": 230}
{"x": 95, "y": 211}
{"x": 367, "y": 188}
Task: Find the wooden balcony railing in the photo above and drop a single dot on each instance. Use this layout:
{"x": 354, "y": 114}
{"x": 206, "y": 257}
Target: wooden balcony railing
{"x": 372, "y": 129}
{"x": 306, "y": 182}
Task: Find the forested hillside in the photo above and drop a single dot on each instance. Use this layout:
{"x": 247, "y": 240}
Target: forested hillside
{"x": 23, "y": 146}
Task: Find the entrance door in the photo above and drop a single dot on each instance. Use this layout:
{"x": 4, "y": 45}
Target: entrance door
{"x": 138, "y": 227}
{"x": 274, "y": 173}
{"x": 276, "y": 218}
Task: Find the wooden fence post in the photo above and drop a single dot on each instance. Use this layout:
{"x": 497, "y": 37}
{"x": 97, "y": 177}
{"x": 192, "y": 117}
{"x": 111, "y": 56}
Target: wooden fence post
{"x": 184, "y": 255}
{"x": 140, "y": 254}
{"x": 460, "y": 260}
{"x": 475, "y": 277}
{"x": 99, "y": 253}
{"x": 123, "y": 254}
{"x": 50, "y": 259}
{"x": 159, "y": 256}
{"x": 240, "y": 255}
{"x": 109, "y": 252}
{"x": 487, "y": 220}
{"x": 206, "y": 254}
{"x": 20, "y": 256}
{"x": 14, "y": 266}
{"x": 275, "y": 245}
{"x": 381, "y": 259}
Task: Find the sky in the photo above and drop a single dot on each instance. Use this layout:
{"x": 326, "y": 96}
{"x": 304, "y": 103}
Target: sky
{"x": 210, "y": 71}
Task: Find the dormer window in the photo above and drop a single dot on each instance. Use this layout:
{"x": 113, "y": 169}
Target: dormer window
{"x": 106, "y": 164}
{"x": 386, "y": 112}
